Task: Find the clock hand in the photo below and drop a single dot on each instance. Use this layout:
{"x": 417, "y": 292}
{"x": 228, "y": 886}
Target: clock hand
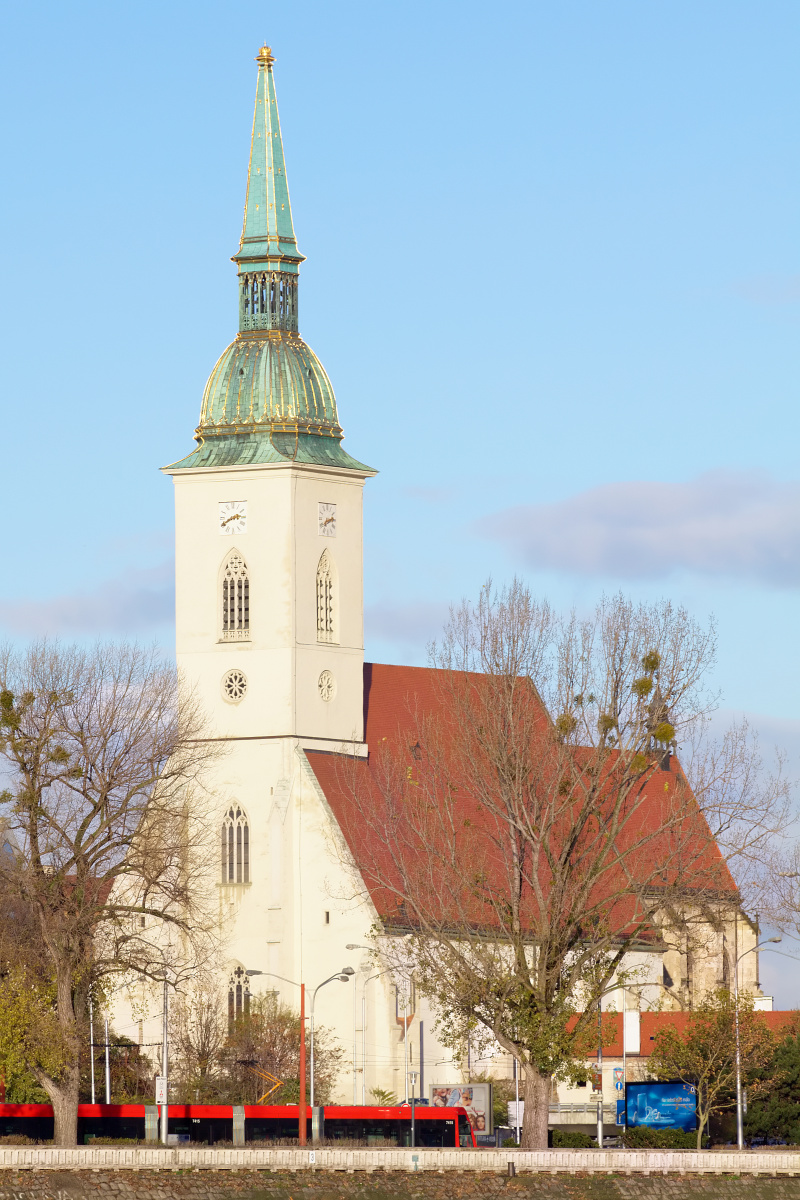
{"x": 232, "y": 517}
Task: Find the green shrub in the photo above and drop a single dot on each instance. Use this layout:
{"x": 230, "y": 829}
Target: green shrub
{"x": 641, "y": 1137}
{"x": 510, "y": 1143}
{"x": 572, "y": 1139}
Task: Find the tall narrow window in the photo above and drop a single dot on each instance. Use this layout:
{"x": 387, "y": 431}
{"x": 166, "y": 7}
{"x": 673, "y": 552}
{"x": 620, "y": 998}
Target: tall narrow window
{"x": 325, "y": 599}
{"x": 235, "y": 599}
{"x": 238, "y": 996}
{"x": 235, "y": 846}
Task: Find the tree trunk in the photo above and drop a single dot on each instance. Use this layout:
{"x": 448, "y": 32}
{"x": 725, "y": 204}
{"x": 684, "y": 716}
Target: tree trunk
{"x": 64, "y": 1097}
{"x": 537, "y": 1110}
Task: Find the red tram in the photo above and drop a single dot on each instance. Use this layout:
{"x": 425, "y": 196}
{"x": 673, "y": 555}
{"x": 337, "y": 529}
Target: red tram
{"x": 249, "y": 1124}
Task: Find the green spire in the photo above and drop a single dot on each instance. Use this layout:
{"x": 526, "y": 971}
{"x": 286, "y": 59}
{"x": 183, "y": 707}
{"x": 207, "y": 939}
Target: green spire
{"x": 268, "y": 257}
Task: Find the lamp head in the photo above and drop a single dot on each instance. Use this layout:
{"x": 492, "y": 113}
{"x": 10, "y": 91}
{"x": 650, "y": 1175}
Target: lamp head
{"x": 348, "y": 971}
{"x": 343, "y": 978}
{"x": 775, "y": 939}
{"x": 251, "y": 973}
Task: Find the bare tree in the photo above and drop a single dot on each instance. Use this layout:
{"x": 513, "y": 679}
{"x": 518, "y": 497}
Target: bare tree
{"x": 531, "y": 826}
{"x": 105, "y": 814}
{"x": 267, "y": 1039}
{"x": 198, "y": 1037}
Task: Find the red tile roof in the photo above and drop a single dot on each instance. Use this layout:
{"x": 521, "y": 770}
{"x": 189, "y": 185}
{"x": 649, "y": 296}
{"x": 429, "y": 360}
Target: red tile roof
{"x": 394, "y": 699}
{"x": 781, "y": 1022}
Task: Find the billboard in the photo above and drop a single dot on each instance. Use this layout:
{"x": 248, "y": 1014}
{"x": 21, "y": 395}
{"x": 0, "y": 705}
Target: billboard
{"x": 661, "y": 1105}
{"x": 476, "y": 1098}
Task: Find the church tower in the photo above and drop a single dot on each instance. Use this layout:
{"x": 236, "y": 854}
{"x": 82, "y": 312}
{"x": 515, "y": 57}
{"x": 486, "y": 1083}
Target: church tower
{"x": 268, "y": 507}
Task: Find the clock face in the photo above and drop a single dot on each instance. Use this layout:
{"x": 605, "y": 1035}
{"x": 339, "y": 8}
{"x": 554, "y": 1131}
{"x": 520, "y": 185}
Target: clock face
{"x": 327, "y": 520}
{"x": 233, "y": 516}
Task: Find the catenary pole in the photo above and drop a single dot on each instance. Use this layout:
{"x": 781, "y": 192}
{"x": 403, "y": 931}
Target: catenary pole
{"x": 165, "y": 1068}
{"x": 91, "y": 1046}
{"x": 600, "y": 1075}
{"x": 108, "y": 1069}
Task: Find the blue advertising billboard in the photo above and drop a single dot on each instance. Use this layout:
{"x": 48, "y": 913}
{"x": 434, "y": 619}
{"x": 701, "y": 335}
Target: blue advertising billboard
{"x": 661, "y": 1105}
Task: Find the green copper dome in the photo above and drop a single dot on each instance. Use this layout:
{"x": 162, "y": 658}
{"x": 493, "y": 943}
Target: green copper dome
{"x": 268, "y": 399}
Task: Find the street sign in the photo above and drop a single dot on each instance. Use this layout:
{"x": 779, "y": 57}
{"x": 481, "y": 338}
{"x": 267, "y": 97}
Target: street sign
{"x": 161, "y": 1090}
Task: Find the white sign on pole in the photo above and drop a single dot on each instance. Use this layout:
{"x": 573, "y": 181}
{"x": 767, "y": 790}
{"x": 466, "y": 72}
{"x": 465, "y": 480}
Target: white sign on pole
{"x": 161, "y": 1090}
{"x": 516, "y": 1113}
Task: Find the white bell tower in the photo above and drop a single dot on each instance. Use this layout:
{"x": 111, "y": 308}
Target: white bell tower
{"x": 268, "y": 508}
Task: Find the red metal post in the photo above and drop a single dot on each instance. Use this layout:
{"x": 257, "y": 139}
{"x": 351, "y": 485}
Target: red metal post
{"x": 302, "y": 1108}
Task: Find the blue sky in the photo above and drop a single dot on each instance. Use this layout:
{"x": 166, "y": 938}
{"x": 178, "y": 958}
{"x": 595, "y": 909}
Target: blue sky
{"x": 553, "y": 272}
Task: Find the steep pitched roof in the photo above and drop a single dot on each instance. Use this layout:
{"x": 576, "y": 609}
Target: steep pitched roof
{"x": 395, "y": 697}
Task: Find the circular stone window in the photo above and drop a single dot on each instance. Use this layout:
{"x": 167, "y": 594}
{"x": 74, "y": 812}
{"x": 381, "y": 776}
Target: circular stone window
{"x": 327, "y": 686}
{"x": 234, "y": 686}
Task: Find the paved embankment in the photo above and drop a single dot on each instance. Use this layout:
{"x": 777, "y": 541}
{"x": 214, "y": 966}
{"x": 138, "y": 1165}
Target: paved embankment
{"x": 65, "y": 1181}
{"x": 129, "y": 1171}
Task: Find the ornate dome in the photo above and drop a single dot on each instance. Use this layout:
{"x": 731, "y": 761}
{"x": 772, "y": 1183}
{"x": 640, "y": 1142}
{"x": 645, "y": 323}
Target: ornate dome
{"x": 268, "y": 399}
{"x": 269, "y": 381}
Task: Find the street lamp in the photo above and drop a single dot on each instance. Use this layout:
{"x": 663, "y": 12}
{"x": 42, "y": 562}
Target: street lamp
{"x": 413, "y": 1075}
{"x": 302, "y": 1115}
{"x": 370, "y": 949}
{"x": 370, "y": 978}
{"x": 739, "y": 1113}
{"x": 344, "y": 977}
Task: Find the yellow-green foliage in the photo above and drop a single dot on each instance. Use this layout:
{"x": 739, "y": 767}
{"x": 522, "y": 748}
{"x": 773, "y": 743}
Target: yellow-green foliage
{"x": 31, "y": 1038}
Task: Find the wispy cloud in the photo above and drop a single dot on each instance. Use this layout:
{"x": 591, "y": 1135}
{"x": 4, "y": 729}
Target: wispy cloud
{"x": 413, "y": 624}
{"x": 770, "y": 289}
{"x": 134, "y": 602}
{"x": 742, "y": 525}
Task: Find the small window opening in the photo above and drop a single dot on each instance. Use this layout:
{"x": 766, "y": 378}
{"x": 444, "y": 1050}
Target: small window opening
{"x": 238, "y": 997}
{"x": 327, "y": 918}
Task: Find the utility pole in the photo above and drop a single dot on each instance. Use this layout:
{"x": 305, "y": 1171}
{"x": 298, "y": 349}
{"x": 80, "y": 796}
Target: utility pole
{"x": 108, "y": 1069}
{"x": 165, "y": 1069}
{"x": 599, "y": 1079}
{"x": 516, "y": 1088}
{"x": 413, "y": 1107}
{"x": 91, "y": 1045}
{"x": 302, "y": 1115}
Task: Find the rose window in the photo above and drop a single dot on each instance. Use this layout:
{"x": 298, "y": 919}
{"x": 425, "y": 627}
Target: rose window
{"x": 327, "y": 686}
{"x": 234, "y": 686}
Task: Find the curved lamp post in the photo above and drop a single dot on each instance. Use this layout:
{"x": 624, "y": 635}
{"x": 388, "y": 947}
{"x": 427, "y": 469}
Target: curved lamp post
{"x": 302, "y": 1115}
{"x": 739, "y": 1112}
{"x": 344, "y": 977}
{"x": 371, "y": 949}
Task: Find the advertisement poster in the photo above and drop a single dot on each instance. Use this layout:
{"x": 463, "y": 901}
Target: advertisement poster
{"x": 476, "y": 1098}
{"x": 662, "y": 1105}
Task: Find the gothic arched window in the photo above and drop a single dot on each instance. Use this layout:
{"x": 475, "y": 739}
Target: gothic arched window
{"x": 325, "y": 599}
{"x": 235, "y": 846}
{"x": 235, "y": 599}
{"x": 238, "y": 996}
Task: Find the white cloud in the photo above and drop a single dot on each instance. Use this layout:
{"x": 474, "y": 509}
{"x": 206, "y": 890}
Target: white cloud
{"x": 741, "y": 525}
{"x": 134, "y": 602}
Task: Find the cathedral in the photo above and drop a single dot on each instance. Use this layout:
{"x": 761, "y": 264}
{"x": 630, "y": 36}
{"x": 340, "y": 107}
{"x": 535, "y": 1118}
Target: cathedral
{"x": 269, "y": 615}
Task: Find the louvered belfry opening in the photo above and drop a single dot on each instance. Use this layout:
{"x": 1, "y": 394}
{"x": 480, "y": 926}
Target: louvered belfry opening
{"x": 268, "y": 300}
{"x": 235, "y": 599}
{"x": 235, "y": 846}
